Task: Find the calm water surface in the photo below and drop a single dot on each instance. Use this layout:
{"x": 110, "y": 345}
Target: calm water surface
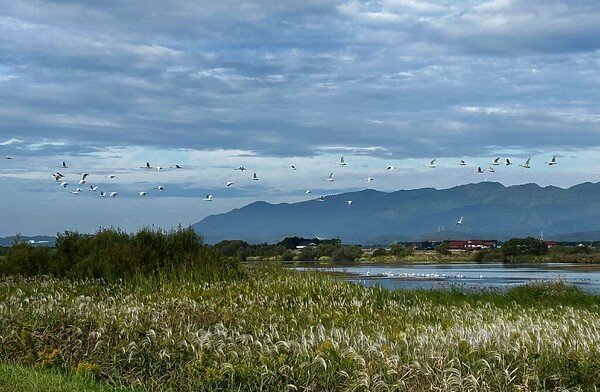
{"x": 467, "y": 275}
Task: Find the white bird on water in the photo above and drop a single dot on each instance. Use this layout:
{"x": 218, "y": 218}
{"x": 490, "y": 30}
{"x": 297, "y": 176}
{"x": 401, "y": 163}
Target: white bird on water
{"x": 431, "y": 164}
{"x": 526, "y": 165}
{"x": 208, "y": 198}
{"x": 342, "y": 161}
{"x": 330, "y": 178}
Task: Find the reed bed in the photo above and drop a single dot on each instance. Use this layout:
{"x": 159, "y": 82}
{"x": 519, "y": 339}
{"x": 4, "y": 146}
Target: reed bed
{"x": 275, "y": 331}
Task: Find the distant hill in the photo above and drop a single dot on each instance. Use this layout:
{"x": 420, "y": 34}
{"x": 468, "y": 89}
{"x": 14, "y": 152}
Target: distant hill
{"x": 489, "y": 210}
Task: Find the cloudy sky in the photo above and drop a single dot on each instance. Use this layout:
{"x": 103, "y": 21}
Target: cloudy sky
{"x": 107, "y": 86}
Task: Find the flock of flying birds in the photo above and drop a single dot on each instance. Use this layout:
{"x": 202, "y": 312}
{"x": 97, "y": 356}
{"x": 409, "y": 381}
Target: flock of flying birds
{"x": 82, "y": 182}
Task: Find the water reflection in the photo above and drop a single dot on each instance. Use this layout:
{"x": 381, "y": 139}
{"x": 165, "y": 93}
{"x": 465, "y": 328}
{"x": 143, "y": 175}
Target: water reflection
{"x": 468, "y": 276}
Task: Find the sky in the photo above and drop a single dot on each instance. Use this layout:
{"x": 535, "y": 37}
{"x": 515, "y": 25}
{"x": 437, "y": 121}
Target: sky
{"x": 213, "y": 85}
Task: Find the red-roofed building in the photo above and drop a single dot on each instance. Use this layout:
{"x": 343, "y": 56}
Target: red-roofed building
{"x": 470, "y": 244}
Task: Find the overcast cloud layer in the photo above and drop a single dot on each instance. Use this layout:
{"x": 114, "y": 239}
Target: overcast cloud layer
{"x": 108, "y": 86}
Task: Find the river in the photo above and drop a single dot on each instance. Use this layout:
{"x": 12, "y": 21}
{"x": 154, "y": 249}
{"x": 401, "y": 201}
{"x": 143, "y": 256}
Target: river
{"x": 465, "y": 275}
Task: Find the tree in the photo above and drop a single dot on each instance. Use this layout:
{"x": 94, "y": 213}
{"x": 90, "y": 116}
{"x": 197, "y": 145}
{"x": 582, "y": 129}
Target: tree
{"x": 443, "y": 248}
{"x": 523, "y": 246}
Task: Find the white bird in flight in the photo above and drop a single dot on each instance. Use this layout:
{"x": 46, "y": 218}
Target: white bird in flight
{"x": 342, "y": 161}
{"x": 496, "y": 161}
{"x": 254, "y": 177}
{"x": 526, "y": 165}
{"x": 142, "y": 194}
{"x": 431, "y": 164}
{"x": 293, "y": 167}
{"x": 148, "y": 166}
{"x": 479, "y": 170}
{"x": 176, "y": 166}
{"x": 320, "y": 198}
{"x": 241, "y": 168}
{"x": 208, "y": 198}
{"x": 308, "y": 192}
{"x": 552, "y": 161}
{"x": 102, "y": 194}
{"x": 158, "y": 168}
{"x": 113, "y": 194}
{"x": 330, "y": 178}
{"x": 348, "y": 202}
{"x": 7, "y": 157}
{"x": 63, "y": 184}
{"x": 459, "y": 222}
{"x": 391, "y": 167}
{"x": 491, "y": 170}
{"x": 229, "y": 183}
{"x": 369, "y": 179}
{"x": 64, "y": 165}
{"x": 160, "y": 188}
{"x": 462, "y": 162}
{"x": 508, "y": 162}
{"x": 93, "y": 187}
{"x": 110, "y": 176}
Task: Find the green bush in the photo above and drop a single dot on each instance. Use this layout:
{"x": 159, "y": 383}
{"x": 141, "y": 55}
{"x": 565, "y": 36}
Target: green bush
{"x": 112, "y": 253}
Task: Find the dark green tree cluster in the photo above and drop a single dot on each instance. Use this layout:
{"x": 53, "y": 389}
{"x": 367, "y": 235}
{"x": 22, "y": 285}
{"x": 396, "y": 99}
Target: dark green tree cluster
{"x": 112, "y": 253}
{"x": 514, "y": 248}
{"x": 336, "y": 251}
{"x": 241, "y": 250}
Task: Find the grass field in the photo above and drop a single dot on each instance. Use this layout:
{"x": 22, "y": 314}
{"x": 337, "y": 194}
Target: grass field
{"x": 276, "y": 330}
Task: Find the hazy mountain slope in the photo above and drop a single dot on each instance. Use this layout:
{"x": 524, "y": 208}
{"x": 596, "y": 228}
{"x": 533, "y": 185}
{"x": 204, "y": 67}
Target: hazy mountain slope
{"x": 489, "y": 210}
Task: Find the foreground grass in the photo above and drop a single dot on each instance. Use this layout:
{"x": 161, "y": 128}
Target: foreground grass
{"x": 21, "y": 379}
{"x": 277, "y": 330}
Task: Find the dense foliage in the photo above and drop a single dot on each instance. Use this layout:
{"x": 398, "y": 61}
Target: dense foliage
{"x": 113, "y": 253}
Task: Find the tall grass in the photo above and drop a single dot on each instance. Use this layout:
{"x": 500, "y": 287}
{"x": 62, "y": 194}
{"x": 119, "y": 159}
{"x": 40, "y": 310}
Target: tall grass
{"x": 276, "y": 330}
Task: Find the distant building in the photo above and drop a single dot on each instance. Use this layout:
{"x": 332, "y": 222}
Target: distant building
{"x": 458, "y": 245}
{"x": 306, "y": 244}
{"x": 550, "y": 244}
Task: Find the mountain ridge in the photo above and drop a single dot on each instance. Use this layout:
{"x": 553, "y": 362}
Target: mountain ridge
{"x": 490, "y": 210}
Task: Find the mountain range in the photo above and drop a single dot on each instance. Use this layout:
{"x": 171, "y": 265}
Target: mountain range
{"x": 489, "y": 210}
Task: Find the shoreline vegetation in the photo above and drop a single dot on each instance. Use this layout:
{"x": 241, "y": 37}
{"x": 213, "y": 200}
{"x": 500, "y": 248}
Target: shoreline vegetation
{"x": 184, "y": 317}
